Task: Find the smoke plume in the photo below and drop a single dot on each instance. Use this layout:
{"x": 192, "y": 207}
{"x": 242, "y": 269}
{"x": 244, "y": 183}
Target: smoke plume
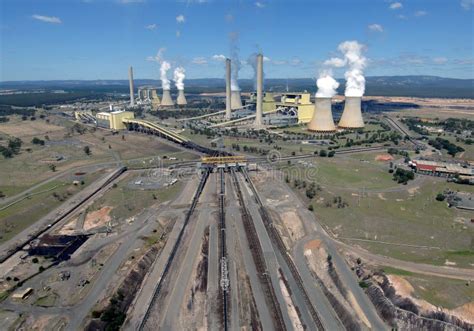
{"x": 164, "y": 67}
{"x": 327, "y": 85}
{"x": 234, "y": 56}
{"x": 165, "y": 82}
{"x": 252, "y": 61}
{"x": 179, "y": 75}
{"x": 356, "y": 61}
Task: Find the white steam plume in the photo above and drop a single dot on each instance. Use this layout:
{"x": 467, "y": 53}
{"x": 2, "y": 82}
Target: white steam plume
{"x": 327, "y": 85}
{"x": 179, "y": 75}
{"x": 234, "y": 56}
{"x": 356, "y": 61}
{"x": 252, "y": 61}
{"x": 165, "y": 82}
{"x": 164, "y": 67}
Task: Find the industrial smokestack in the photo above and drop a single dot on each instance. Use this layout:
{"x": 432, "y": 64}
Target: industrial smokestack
{"x": 228, "y": 98}
{"x": 166, "y": 100}
{"x": 236, "y": 102}
{"x": 352, "y": 115}
{"x": 322, "y": 120}
{"x": 181, "y": 101}
{"x": 130, "y": 77}
{"x": 258, "y": 117}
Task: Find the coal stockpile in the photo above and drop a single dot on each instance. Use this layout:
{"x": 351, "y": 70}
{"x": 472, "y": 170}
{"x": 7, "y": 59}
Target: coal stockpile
{"x": 60, "y": 247}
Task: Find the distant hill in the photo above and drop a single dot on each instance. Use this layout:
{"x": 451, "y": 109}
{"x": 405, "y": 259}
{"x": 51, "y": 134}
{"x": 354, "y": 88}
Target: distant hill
{"x": 414, "y": 86}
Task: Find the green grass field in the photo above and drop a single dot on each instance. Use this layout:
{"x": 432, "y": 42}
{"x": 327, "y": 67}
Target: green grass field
{"x": 381, "y": 211}
{"x": 19, "y": 216}
{"x": 442, "y": 292}
{"x": 127, "y": 202}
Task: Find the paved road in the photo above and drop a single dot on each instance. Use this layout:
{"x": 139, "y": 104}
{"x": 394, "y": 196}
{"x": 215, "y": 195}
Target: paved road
{"x": 166, "y": 313}
{"x": 426, "y": 269}
{"x": 314, "y": 230}
{"x": 235, "y": 222}
{"x": 24, "y": 236}
{"x": 318, "y": 299}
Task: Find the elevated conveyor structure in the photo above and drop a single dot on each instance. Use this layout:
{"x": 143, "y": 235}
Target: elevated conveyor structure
{"x": 141, "y": 125}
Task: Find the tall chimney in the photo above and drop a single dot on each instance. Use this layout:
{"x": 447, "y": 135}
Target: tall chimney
{"x": 352, "y": 115}
{"x": 258, "y": 117}
{"x": 130, "y": 77}
{"x": 181, "y": 100}
{"x": 322, "y": 120}
{"x": 228, "y": 97}
{"x": 166, "y": 100}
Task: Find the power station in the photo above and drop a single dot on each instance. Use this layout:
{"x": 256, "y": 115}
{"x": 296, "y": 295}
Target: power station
{"x": 166, "y": 100}
{"x": 322, "y": 120}
{"x": 352, "y": 115}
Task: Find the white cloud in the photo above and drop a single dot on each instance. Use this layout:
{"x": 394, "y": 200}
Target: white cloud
{"x": 295, "y": 61}
{"x": 467, "y": 4}
{"x": 260, "y": 4}
{"x": 375, "y": 27}
{"x": 440, "y": 60}
{"x": 47, "y": 19}
{"x": 396, "y": 5}
{"x": 151, "y": 26}
{"x": 420, "y": 13}
{"x": 180, "y": 19}
{"x": 279, "y": 62}
{"x": 402, "y": 17}
{"x": 219, "y": 57}
{"x": 266, "y": 59}
{"x": 335, "y": 62}
{"x": 178, "y": 33}
{"x": 200, "y": 60}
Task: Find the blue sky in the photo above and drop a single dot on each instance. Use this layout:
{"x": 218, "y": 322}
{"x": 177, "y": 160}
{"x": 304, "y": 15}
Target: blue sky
{"x": 99, "y": 39}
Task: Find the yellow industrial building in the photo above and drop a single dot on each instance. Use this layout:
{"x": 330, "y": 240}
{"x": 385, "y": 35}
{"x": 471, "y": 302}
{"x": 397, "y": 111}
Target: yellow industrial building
{"x": 301, "y": 102}
{"x": 297, "y": 102}
{"x": 268, "y": 102}
{"x": 113, "y": 120}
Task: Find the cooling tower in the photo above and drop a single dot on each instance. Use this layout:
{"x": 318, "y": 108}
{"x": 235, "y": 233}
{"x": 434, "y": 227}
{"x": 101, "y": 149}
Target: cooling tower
{"x": 130, "y": 77}
{"x": 258, "y": 117}
{"x": 322, "y": 120}
{"x": 236, "y": 100}
{"x": 228, "y": 98}
{"x": 181, "y": 101}
{"x": 166, "y": 100}
{"x": 352, "y": 115}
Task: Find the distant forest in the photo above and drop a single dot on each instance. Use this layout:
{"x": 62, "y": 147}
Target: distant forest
{"x": 410, "y": 86}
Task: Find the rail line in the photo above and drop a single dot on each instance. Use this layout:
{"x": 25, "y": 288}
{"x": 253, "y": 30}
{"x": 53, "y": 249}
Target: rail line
{"x": 224, "y": 279}
{"x": 275, "y": 237}
{"x": 259, "y": 260}
{"x": 400, "y": 129}
{"x": 174, "y": 250}
{"x": 18, "y": 246}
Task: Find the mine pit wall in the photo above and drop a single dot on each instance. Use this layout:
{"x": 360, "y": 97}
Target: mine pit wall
{"x": 382, "y": 296}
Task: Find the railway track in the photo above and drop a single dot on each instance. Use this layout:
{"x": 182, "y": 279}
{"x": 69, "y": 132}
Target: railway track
{"x": 224, "y": 279}
{"x": 257, "y": 254}
{"x": 36, "y": 233}
{"x": 174, "y": 250}
{"x": 275, "y": 237}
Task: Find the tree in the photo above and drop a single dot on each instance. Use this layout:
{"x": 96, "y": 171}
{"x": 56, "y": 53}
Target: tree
{"x": 310, "y": 208}
{"x": 87, "y": 150}
{"x": 440, "y": 197}
{"x": 323, "y": 153}
{"x": 52, "y": 167}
